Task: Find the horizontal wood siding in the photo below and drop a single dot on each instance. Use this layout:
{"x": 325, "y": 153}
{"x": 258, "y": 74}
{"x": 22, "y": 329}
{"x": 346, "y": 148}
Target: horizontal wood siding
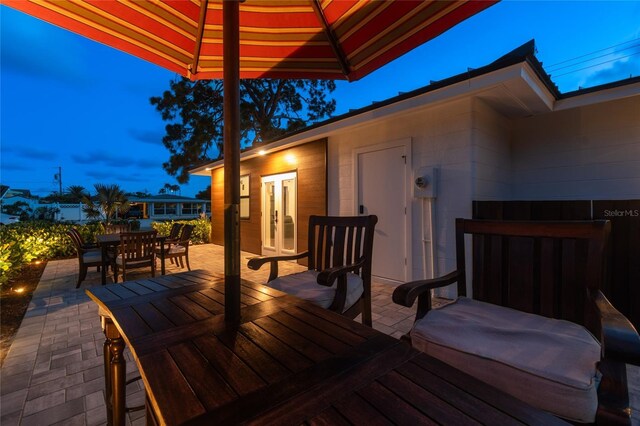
{"x": 308, "y": 160}
{"x": 623, "y": 266}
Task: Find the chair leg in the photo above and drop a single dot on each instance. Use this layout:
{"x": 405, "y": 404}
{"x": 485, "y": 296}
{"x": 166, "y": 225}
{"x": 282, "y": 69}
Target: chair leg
{"x": 82, "y": 274}
{"x": 181, "y": 262}
{"x": 366, "y": 308}
{"x": 186, "y": 258}
{"x": 115, "y": 273}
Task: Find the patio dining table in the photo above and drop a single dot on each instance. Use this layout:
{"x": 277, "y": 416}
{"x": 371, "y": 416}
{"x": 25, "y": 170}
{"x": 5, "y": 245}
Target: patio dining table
{"x": 105, "y": 241}
{"x": 286, "y": 362}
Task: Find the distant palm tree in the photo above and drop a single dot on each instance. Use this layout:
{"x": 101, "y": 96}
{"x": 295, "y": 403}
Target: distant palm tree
{"x": 108, "y": 201}
{"x": 77, "y": 193}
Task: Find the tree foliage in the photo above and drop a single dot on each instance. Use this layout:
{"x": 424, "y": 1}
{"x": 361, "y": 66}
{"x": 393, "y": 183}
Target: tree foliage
{"x": 76, "y": 193}
{"x": 108, "y": 201}
{"x": 269, "y": 108}
{"x": 205, "y": 194}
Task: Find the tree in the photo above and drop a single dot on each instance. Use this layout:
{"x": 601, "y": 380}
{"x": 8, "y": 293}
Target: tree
{"x": 19, "y": 208}
{"x": 76, "y": 193}
{"x": 169, "y": 189}
{"x": 269, "y": 108}
{"x": 107, "y": 203}
{"x": 205, "y": 194}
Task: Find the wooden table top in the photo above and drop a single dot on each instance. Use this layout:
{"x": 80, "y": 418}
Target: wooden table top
{"x": 287, "y": 362}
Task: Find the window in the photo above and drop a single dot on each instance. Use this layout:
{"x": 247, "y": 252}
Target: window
{"x": 244, "y": 197}
{"x": 190, "y": 209}
{"x": 160, "y": 209}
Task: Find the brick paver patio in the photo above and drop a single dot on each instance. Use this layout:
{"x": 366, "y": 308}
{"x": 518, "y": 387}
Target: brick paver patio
{"x": 53, "y": 373}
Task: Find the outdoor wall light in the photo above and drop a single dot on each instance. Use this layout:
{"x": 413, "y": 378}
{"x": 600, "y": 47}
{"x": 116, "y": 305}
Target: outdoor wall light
{"x": 290, "y": 158}
{"x": 262, "y": 152}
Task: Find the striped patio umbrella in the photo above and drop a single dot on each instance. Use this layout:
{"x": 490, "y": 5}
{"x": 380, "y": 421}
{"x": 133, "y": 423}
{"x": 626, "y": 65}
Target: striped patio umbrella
{"x": 324, "y": 39}
{"x": 207, "y": 39}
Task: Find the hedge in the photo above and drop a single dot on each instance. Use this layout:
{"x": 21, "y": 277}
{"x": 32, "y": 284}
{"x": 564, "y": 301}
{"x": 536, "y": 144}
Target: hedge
{"x": 23, "y": 242}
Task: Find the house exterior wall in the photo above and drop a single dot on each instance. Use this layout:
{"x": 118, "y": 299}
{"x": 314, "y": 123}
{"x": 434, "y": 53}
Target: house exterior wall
{"x": 591, "y": 152}
{"x": 441, "y": 137}
{"x": 308, "y": 160}
{"x": 491, "y": 153}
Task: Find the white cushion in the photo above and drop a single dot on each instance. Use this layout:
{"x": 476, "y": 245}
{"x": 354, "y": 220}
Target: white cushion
{"x": 548, "y": 363}
{"x": 130, "y": 263}
{"x": 305, "y": 286}
{"x": 174, "y": 249}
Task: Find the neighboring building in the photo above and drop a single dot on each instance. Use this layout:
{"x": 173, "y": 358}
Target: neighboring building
{"x": 500, "y": 132}
{"x": 10, "y": 196}
{"x": 154, "y": 207}
{"x": 168, "y": 207}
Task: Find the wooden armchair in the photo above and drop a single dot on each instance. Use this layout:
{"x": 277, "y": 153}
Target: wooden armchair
{"x": 87, "y": 257}
{"x": 339, "y": 260}
{"x": 529, "y": 329}
{"x": 137, "y": 250}
{"x": 177, "y": 249}
{"x": 83, "y": 243}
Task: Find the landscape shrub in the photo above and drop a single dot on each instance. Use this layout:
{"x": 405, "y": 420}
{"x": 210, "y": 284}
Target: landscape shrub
{"x": 23, "y": 242}
{"x": 201, "y": 232}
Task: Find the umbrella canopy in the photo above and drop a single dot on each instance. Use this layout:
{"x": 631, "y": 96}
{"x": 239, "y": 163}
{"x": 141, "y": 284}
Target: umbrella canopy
{"x": 324, "y": 39}
{"x": 206, "y": 39}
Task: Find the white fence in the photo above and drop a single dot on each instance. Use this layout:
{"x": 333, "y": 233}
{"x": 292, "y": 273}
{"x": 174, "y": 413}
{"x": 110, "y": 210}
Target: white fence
{"x": 72, "y": 212}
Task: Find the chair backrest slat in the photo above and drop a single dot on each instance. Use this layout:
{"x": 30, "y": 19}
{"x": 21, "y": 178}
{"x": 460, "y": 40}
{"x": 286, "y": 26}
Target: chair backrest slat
{"x": 185, "y": 234}
{"x": 174, "y": 232}
{"x": 545, "y": 268}
{"x": 138, "y": 246}
{"x": 337, "y": 241}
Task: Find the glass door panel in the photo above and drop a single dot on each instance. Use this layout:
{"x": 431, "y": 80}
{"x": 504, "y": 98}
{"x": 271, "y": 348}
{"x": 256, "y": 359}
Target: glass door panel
{"x": 270, "y": 215}
{"x": 279, "y": 209}
{"x": 289, "y": 214}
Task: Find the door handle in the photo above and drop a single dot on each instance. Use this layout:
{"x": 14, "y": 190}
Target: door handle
{"x": 361, "y": 209}
{"x": 276, "y": 218}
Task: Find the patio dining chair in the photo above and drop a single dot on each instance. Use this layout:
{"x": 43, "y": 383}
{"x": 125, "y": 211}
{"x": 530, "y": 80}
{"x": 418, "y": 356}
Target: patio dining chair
{"x": 136, "y": 250}
{"x": 178, "y": 249}
{"x": 83, "y": 243}
{"x": 87, "y": 257}
{"x": 172, "y": 238}
{"x": 538, "y": 327}
{"x": 339, "y": 258}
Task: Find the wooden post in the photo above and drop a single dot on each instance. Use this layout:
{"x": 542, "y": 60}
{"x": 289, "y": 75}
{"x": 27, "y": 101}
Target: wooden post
{"x": 231, "y": 73}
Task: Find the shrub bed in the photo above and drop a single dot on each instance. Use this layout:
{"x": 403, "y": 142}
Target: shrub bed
{"x": 200, "y": 234}
{"x": 23, "y": 242}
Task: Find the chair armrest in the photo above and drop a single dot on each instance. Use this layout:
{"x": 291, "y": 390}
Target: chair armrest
{"x": 620, "y": 340}
{"x": 407, "y": 293}
{"x": 256, "y": 263}
{"x": 328, "y": 276}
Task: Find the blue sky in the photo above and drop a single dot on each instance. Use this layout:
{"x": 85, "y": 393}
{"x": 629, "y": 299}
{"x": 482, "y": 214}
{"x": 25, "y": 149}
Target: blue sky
{"x": 66, "y": 101}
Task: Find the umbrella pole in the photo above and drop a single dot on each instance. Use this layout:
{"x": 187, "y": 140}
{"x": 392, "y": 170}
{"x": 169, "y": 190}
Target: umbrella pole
{"x": 231, "y": 74}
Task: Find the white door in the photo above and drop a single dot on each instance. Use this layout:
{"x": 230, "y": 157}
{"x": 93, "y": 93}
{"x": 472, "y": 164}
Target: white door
{"x": 382, "y": 190}
{"x": 279, "y": 221}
